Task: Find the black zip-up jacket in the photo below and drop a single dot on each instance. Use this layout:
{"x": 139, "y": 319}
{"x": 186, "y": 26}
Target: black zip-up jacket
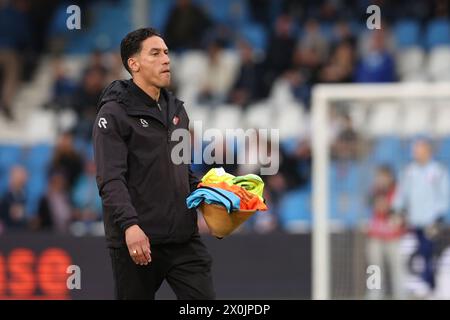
{"x": 137, "y": 181}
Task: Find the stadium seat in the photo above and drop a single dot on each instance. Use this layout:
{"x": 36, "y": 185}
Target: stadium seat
{"x": 387, "y": 150}
{"x": 295, "y": 211}
{"x": 281, "y": 94}
{"x": 358, "y": 115}
{"x": 384, "y": 119}
{"x": 349, "y": 185}
{"x": 110, "y": 23}
{"x": 190, "y": 65}
{"x": 346, "y": 209}
{"x": 258, "y": 115}
{"x": 345, "y": 176}
{"x": 159, "y": 12}
{"x": 289, "y": 144}
{"x": 233, "y": 61}
{"x": 440, "y": 121}
{"x": 442, "y": 152}
{"x": 416, "y": 118}
{"x": 58, "y": 22}
{"x": 226, "y": 117}
{"x": 407, "y": 33}
{"x": 38, "y": 157}
{"x": 256, "y": 35}
{"x": 438, "y": 67}
{"x": 40, "y": 126}
{"x": 228, "y": 12}
{"x": 10, "y": 155}
{"x": 406, "y": 154}
{"x": 437, "y": 33}
{"x": 291, "y": 121}
{"x": 199, "y": 113}
{"x": 410, "y": 62}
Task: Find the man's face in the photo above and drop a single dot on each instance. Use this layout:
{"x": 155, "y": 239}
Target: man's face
{"x": 422, "y": 152}
{"x": 383, "y": 179}
{"x": 152, "y": 63}
{"x": 18, "y": 177}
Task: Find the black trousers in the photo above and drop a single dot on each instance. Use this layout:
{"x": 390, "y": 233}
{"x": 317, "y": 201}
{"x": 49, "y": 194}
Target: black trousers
{"x": 186, "y": 267}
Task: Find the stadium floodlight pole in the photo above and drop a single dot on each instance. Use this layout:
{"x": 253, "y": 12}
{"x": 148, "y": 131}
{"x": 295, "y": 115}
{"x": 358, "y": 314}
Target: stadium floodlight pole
{"x": 320, "y": 241}
{"x": 322, "y": 95}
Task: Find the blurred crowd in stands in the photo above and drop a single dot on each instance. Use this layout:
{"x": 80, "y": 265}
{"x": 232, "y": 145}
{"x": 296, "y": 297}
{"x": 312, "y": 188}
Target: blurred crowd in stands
{"x": 286, "y": 43}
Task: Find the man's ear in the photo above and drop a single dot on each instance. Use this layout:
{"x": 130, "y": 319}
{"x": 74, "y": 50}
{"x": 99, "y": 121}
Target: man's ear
{"x": 133, "y": 64}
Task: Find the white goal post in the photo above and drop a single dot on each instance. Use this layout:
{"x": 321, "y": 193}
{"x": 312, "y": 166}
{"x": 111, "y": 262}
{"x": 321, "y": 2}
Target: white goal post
{"x": 322, "y": 95}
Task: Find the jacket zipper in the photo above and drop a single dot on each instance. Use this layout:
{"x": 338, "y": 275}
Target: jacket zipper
{"x": 171, "y": 166}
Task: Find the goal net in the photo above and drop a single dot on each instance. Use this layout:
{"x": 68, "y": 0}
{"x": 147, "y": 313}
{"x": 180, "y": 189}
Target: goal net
{"x": 361, "y": 132}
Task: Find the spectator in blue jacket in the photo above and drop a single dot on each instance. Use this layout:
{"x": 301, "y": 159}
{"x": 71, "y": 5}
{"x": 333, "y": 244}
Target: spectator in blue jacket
{"x": 424, "y": 194}
{"x": 377, "y": 65}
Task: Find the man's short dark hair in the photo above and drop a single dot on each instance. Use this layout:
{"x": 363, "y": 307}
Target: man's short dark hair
{"x": 132, "y": 43}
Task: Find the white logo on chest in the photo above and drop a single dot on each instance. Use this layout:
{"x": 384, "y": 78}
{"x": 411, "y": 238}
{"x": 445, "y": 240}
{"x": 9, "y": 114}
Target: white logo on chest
{"x": 144, "y": 123}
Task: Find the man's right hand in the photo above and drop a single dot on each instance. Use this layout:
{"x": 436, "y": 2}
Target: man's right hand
{"x": 138, "y": 245}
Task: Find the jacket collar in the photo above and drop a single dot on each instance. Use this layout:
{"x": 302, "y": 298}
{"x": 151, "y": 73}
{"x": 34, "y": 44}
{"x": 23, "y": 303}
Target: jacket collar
{"x": 143, "y": 104}
{"x": 149, "y": 107}
{"x": 137, "y": 102}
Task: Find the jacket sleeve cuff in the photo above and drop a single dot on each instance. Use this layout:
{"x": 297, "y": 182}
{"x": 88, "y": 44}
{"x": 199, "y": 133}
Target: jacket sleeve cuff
{"x": 128, "y": 223}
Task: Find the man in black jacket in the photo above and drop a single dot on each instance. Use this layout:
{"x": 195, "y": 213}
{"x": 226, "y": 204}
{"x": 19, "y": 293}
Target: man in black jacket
{"x": 143, "y": 191}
